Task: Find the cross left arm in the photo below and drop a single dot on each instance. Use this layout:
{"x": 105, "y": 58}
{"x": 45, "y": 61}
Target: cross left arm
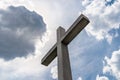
{"x": 52, "y": 53}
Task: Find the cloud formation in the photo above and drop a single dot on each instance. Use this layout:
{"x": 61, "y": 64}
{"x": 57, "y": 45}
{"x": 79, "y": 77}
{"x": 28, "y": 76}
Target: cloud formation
{"x": 103, "y": 17}
{"x": 22, "y": 69}
{"x": 113, "y": 64}
{"x": 54, "y": 72}
{"x": 101, "y": 78}
{"x": 19, "y": 27}
{"x": 79, "y": 78}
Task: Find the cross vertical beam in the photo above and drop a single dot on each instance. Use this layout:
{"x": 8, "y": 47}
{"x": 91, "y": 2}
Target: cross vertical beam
{"x": 64, "y": 70}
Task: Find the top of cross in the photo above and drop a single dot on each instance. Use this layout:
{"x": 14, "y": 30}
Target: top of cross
{"x": 69, "y": 35}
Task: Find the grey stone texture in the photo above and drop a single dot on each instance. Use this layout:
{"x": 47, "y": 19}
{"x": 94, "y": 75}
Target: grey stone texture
{"x": 60, "y": 49}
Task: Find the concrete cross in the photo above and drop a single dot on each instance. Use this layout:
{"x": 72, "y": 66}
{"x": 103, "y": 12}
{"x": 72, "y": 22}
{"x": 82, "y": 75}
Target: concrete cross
{"x": 60, "y": 49}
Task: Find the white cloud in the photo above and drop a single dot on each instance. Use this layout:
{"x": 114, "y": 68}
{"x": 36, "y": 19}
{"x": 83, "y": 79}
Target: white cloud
{"x": 79, "y": 78}
{"x": 54, "y": 72}
{"x": 20, "y": 68}
{"x": 102, "y": 18}
{"x": 23, "y": 68}
{"x": 109, "y": 38}
{"x": 108, "y": 0}
{"x": 6, "y": 3}
{"x": 28, "y": 67}
{"x": 85, "y": 2}
{"x": 113, "y": 64}
{"x": 101, "y": 77}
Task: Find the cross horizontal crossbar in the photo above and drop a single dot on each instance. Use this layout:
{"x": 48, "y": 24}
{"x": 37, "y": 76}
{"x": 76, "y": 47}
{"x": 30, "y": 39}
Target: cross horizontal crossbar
{"x": 72, "y": 32}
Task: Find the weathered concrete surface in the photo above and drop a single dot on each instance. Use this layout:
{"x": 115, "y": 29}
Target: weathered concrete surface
{"x": 50, "y": 56}
{"x": 75, "y": 29}
{"x": 60, "y": 49}
{"x": 64, "y": 70}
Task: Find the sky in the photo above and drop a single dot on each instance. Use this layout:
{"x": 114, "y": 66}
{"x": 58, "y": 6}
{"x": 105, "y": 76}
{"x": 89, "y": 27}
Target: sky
{"x": 28, "y": 31}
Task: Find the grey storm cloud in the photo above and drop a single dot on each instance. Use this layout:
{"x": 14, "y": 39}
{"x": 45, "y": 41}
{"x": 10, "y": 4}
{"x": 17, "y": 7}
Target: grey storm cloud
{"x": 18, "y": 29}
